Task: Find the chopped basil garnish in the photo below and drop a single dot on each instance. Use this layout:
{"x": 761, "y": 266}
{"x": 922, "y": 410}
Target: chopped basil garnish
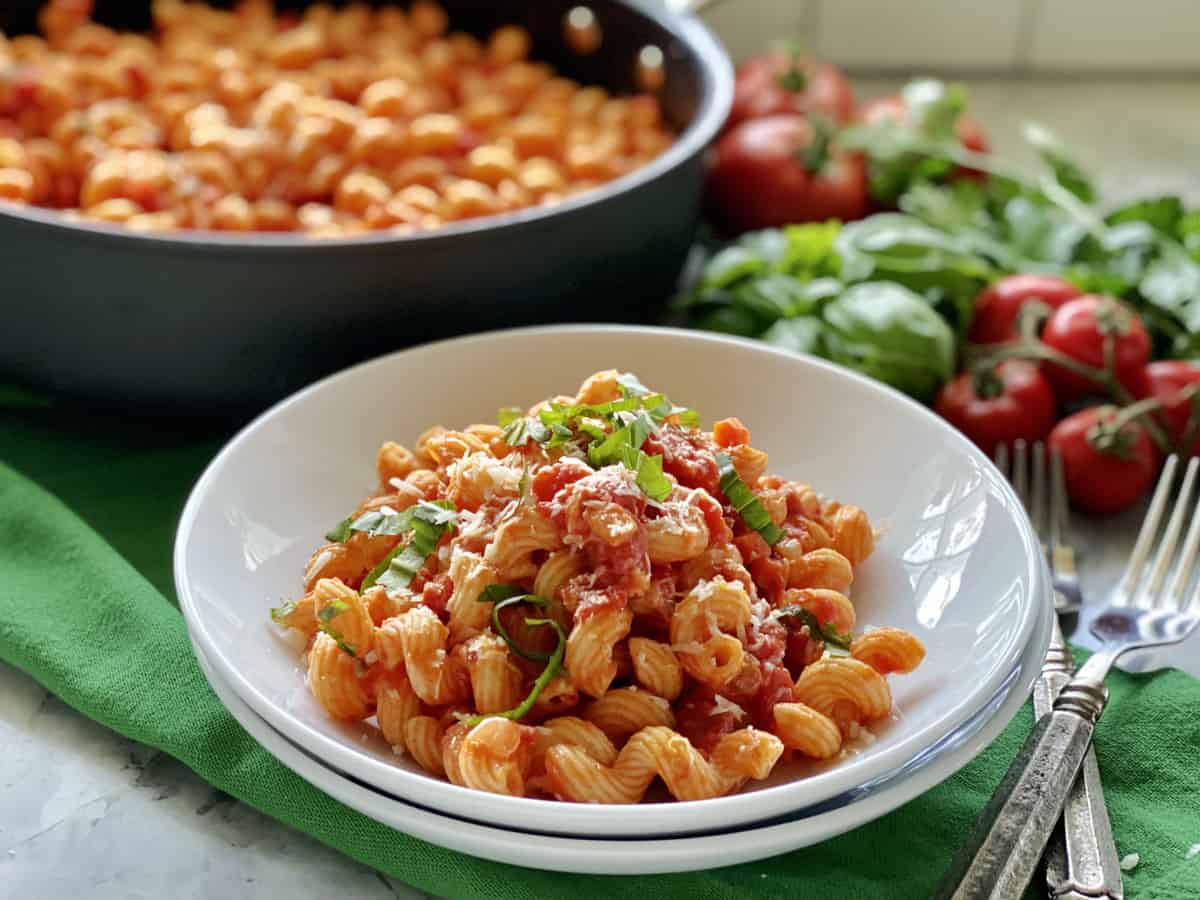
{"x": 326, "y": 615}
{"x": 743, "y": 500}
{"x": 282, "y": 611}
{"x": 553, "y": 665}
{"x": 827, "y": 633}
{"x": 428, "y": 521}
{"x": 504, "y": 596}
{"x": 508, "y": 414}
{"x": 340, "y": 532}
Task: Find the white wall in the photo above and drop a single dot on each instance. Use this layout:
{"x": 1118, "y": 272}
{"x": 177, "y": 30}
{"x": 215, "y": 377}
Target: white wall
{"x": 974, "y": 35}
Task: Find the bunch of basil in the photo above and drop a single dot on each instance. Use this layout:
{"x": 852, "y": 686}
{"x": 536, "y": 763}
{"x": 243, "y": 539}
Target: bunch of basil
{"x": 892, "y": 295}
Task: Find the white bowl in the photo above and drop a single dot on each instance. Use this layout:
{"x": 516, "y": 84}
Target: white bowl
{"x": 606, "y": 856}
{"x": 958, "y": 563}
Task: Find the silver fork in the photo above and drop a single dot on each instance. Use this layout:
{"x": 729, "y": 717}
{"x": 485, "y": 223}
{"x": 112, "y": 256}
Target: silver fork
{"x": 1081, "y": 860}
{"x": 999, "y": 859}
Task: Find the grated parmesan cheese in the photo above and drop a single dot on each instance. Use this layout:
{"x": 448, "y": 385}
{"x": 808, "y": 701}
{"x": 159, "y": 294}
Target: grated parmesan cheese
{"x": 724, "y": 705}
{"x": 1130, "y": 861}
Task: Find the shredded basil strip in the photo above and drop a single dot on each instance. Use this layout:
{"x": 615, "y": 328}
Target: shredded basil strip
{"x": 340, "y": 532}
{"x": 326, "y": 615}
{"x": 428, "y": 521}
{"x": 830, "y": 635}
{"x": 503, "y": 596}
{"x": 282, "y": 611}
{"x": 649, "y": 469}
{"x": 506, "y": 415}
{"x": 744, "y": 501}
{"x": 552, "y": 668}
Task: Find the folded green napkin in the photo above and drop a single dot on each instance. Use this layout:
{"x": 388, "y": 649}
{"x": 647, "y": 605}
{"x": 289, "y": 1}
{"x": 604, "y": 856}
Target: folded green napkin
{"x": 85, "y": 609}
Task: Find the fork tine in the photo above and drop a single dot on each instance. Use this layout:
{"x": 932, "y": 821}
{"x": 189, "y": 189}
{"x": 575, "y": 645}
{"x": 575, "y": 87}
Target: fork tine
{"x": 1020, "y": 472}
{"x": 1152, "y": 587}
{"x": 1037, "y": 496}
{"x": 1000, "y": 458}
{"x": 1058, "y": 499}
{"x": 1187, "y": 559}
{"x": 1145, "y": 539}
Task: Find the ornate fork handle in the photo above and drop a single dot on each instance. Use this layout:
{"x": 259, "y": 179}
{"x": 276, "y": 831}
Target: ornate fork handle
{"x": 1081, "y": 861}
{"x": 999, "y": 859}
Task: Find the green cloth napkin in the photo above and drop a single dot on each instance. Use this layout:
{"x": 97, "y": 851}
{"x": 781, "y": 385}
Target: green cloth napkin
{"x": 86, "y": 608}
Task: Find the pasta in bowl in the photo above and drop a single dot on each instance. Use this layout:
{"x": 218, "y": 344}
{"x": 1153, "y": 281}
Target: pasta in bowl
{"x": 592, "y": 595}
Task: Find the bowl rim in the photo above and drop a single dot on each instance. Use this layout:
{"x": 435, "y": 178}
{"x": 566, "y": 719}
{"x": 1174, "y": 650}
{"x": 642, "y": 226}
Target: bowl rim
{"x": 776, "y": 797}
{"x": 715, "y": 100}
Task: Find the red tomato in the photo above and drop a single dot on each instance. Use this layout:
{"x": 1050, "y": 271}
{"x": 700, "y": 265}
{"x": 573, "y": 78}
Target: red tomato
{"x": 757, "y": 180}
{"x": 1107, "y": 466}
{"x": 760, "y": 89}
{"x": 998, "y": 307}
{"x": 1080, "y": 327}
{"x": 893, "y": 108}
{"x": 1165, "y": 379}
{"x": 1021, "y": 408}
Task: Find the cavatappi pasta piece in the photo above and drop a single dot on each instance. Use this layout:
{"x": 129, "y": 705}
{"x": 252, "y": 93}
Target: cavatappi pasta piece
{"x": 589, "y": 657}
{"x": 802, "y": 728}
{"x": 705, "y": 628}
{"x": 426, "y": 481}
{"x": 495, "y": 679}
{"x": 519, "y": 537}
{"x": 300, "y": 615}
{"x": 452, "y": 738}
{"x": 679, "y": 534}
{"x": 830, "y": 607}
{"x": 612, "y": 523}
{"x": 576, "y": 732}
{"x": 559, "y": 696}
{"x": 445, "y": 447}
{"x": 343, "y": 615}
{"x": 417, "y": 640}
{"x": 846, "y": 690}
{"x": 496, "y": 756}
{"x": 479, "y": 477}
{"x": 394, "y": 461}
{"x": 425, "y": 459}
{"x": 555, "y": 571}
{"x": 822, "y": 568}
{"x": 851, "y": 533}
{"x": 333, "y": 680}
{"x": 572, "y": 774}
{"x": 749, "y": 463}
{"x": 621, "y": 712}
{"x": 382, "y": 606}
{"x": 349, "y": 561}
{"x": 395, "y": 704}
{"x": 601, "y": 387}
{"x": 656, "y": 668}
{"x": 888, "y": 650}
{"x": 423, "y": 740}
{"x": 470, "y": 574}
{"x": 492, "y": 436}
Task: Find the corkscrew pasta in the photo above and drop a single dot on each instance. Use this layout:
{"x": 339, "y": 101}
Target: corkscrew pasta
{"x": 593, "y": 595}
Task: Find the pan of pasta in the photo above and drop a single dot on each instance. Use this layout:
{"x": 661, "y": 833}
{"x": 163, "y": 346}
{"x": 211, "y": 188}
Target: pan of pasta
{"x": 620, "y": 609}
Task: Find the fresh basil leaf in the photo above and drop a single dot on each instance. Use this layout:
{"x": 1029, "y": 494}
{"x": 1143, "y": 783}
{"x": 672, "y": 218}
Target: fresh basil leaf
{"x": 552, "y": 668}
{"x": 934, "y": 107}
{"x": 742, "y": 499}
{"x": 808, "y": 250}
{"x": 436, "y": 512}
{"x": 649, "y": 469}
{"x": 340, "y": 532}
{"x": 1172, "y": 283}
{"x": 732, "y": 265}
{"x": 328, "y": 613}
{"x": 777, "y": 297}
{"x": 1163, "y": 214}
{"x": 497, "y": 593}
{"x": 630, "y": 386}
{"x": 506, "y": 415}
{"x": 520, "y": 432}
{"x": 429, "y": 521}
{"x": 1189, "y": 233}
{"x": 886, "y": 331}
{"x": 802, "y": 335}
{"x": 1058, "y": 159}
{"x": 771, "y": 245}
{"x": 688, "y": 418}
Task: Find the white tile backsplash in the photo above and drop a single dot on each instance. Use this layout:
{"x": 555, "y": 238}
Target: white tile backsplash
{"x": 972, "y": 35}
{"x": 1118, "y": 34}
{"x": 748, "y": 26}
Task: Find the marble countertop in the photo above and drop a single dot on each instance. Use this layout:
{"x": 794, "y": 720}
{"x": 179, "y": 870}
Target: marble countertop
{"x": 87, "y": 813}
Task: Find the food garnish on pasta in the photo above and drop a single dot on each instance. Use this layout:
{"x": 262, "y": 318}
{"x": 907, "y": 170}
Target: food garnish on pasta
{"x": 594, "y": 594}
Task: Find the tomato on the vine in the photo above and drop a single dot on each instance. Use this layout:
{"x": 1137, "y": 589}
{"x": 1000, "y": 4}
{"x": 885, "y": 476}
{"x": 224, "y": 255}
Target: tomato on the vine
{"x": 998, "y": 307}
{"x": 1009, "y": 403}
{"x": 1108, "y": 463}
{"x": 780, "y": 169}
{"x": 1164, "y": 380}
{"x": 1080, "y": 329}
{"x": 774, "y": 83}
